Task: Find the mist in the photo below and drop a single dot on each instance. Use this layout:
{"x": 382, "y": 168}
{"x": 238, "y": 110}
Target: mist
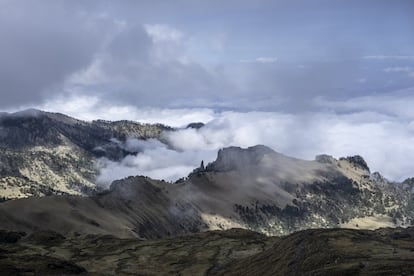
{"x": 150, "y": 158}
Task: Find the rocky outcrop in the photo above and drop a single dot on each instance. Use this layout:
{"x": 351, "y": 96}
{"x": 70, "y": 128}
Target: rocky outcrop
{"x": 357, "y": 161}
{"x": 235, "y": 158}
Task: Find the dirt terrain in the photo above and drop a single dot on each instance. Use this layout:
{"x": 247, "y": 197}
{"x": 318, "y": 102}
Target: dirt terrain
{"x": 232, "y": 252}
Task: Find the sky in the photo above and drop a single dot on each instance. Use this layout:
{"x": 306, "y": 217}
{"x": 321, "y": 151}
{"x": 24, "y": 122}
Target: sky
{"x": 303, "y": 77}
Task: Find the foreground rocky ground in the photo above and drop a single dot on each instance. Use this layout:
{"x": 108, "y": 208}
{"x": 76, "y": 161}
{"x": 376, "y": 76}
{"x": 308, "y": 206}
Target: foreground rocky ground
{"x": 231, "y": 252}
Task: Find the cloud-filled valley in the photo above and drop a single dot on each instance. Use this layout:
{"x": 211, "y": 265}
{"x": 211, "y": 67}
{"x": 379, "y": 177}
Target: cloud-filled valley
{"x": 385, "y": 141}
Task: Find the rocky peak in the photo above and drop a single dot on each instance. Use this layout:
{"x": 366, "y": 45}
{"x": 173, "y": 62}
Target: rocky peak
{"x": 196, "y": 125}
{"x": 325, "y": 158}
{"x": 378, "y": 178}
{"x": 409, "y": 181}
{"x": 232, "y": 158}
{"x": 357, "y": 161}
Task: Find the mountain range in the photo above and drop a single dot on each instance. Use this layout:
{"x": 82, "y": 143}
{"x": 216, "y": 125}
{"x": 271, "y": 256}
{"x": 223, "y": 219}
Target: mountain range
{"x": 49, "y": 153}
{"x": 48, "y": 160}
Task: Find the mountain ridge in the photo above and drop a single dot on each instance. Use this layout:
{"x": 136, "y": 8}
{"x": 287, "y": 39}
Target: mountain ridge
{"x": 50, "y": 153}
{"x": 268, "y": 193}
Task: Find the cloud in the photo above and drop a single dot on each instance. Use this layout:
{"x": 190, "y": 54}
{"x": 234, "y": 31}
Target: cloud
{"x": 396, "y": 104}
{"x": 40, "y": 48}
{"x": 187, "y": 55}
{"x": 162, "y": 32}
{"x": 391, "y": 57}
{"x": 154, "y": 159}
{"x": 147, "y": 67}
{"x": 260, "y": 60}
{"x": 398, "y": 69}
{"x": 386, "y": 141}
{"x": 91, "y": 108}
{"x": 406, "y": 70}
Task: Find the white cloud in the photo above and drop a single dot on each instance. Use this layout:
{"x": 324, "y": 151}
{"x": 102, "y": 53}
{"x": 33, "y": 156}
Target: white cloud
{"x": 90, "y": 108}
{"x": 397, "y": 69}
{"x": 154, "y": 159}
{"x": 406, "y": 70}
{"x": 388, "y": 57}
{"x": 218, "y": 41}
{"x": 162, "y": 32}
{"x": 260, "y": 60}
{"x": 397, "y": 104}
{"x": 386, "y": 142}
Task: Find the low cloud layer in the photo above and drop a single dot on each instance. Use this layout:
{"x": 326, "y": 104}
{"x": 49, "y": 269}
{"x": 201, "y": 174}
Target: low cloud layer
{"x": 385, "y": 142}
{"x": 154, "y": 159}
{"x": 384, "y": 139}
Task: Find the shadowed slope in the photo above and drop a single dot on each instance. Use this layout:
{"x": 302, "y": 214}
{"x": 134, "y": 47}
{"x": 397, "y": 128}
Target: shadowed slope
{"x": 230, "y": 252}
{"x": 334, "y": 252}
